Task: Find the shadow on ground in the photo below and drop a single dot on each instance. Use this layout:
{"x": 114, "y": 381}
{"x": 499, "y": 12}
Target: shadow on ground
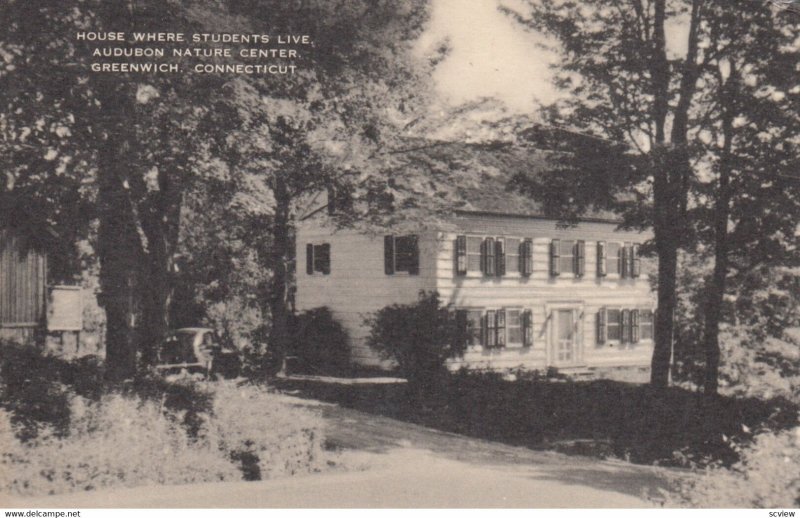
{"x": 603, "y": 419}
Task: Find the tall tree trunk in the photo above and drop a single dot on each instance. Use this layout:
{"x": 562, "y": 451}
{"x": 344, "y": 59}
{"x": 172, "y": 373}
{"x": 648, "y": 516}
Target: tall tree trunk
{"x": 717, "y": 283}
{"x": 667, "y": 242}
{"x": 161, "y": 224}
{"x": 118, "y": 252}
{"x": 672, "y": 171}
{"x": 278, "y": 296}
{"x": 156, "y": 296}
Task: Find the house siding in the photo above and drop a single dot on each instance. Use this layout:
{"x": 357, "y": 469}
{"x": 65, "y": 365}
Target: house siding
{"x": 541, "y": 293}
{"x": 357, "y": 286}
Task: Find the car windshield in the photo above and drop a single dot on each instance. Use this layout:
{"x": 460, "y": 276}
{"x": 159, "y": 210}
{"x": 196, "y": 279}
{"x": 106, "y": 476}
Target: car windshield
{"x": 178, "y": 349}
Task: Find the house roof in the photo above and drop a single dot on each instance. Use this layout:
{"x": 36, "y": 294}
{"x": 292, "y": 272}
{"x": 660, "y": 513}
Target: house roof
{"x": 486, "y": 171}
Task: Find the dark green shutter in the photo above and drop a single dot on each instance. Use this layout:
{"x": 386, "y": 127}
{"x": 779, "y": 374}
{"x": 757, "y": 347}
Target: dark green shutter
{"x": 461, "y": 255}
{"x": 501, "y": 327}
{"x": 310, "y": 259}
{"x": 555, "y": 266}
{"x": 580, "y": 258}
{"x": 388, "y": 254}
{"x": 636, "y": 266}
{"x": 601, "y": 326}
{"x": 526, "y": 257}
{"x": 461, "y": 329}
{"x": 601, "y": 258}
{"x": 489, "y": 256}
{"x": 635, "y": 326}
{"x": 500, "y": 256}
{"x": 325, "y": 258}
{"x": 413, "y": 267}
{"x": 491, "y": 329}
{"x": 625, "y": 326}
{"x": 527, "y": 328}
{"x": 624, "y": 270}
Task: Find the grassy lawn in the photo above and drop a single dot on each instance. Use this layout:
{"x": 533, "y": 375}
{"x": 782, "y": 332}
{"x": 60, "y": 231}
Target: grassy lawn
{"x": 603, "y": 418}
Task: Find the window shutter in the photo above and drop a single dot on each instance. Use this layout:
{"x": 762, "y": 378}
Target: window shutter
{"x": 388, "y": 254}
{"x": 500, "y": 256}
{"x": 501, "y": 327}
{"x": 461, "y": 329}
{"x": 461, "y": 255}
{"x": 489, "y": 256}
{"x": 484, "y": 332}
{"x": 635, "y": 326}
{"x": 325, "y": 258}
{"x": 526, "y": 257}
{"x": 554, "y": 255}
{"x": 624, "y": 269}
{"x": 601, "y": 326}
{"x": 636, "y": 263}
{"x": 580, "y": 258}
{"x": 413, "y": 268}
{"x": 491, "y": 335}
{"x": 527, "y": 328}
{"x": 601, "y": 258}
{"x": 625, "y": 326}
{"x": 310, "y": 259}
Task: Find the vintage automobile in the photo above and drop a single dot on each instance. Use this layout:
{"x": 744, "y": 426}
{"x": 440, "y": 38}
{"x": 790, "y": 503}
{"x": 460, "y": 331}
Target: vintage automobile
{"x": 197, "y": 351}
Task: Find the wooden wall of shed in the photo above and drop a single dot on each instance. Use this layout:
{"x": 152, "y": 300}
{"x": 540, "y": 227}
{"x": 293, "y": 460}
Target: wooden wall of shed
{"x": 23, "y": 279}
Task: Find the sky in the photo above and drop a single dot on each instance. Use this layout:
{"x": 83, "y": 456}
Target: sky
{"x": 491, "y": 56}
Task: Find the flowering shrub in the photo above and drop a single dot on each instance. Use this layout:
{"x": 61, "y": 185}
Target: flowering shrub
{"x": 767, "y": 475}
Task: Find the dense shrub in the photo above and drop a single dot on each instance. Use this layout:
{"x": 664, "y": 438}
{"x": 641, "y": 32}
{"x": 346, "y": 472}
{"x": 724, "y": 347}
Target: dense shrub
{"x": 123, "y": 440}
{"x": 675, "y": 427}
{"x": 420, "y": 337}
{"x": 116, "y": 441}
{"x": 319, "y": 342}
{"x": 37, "y": 388}
{"x": 63, "y": 428}
{"x": 767, "y": 475}
{"x": 264, "y": 435}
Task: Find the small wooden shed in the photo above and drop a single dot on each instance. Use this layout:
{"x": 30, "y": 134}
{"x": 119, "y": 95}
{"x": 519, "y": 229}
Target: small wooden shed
{"x": 23, "y": 288}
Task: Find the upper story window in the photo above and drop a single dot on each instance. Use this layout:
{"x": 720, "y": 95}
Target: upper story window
{"x": 567, "y": 256}
{"x": 318, "y": 259}
{"x": 618, "y": 259}
{"x": 401, "y": 254}
{"x": 493, "y": 256}
{"x": 624, "y": 326}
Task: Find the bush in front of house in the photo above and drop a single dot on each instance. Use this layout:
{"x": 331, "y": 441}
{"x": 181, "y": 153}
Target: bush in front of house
{"x": 262, "y": 434}
{"x": 767, "y": 475}
{"x": 116, "y": 441}
{"x": 319, "y": 343}
{"x": 419, "y": 337}
{"x": 59, "y": 434}
{"x": 123, "y": 441}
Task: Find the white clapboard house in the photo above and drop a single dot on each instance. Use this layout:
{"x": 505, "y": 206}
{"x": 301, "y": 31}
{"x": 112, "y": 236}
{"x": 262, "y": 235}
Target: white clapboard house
{"x": 531, "y": 294}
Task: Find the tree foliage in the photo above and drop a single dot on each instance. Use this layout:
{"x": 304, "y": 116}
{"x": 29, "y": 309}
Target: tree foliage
{"x": 693, "y": 133}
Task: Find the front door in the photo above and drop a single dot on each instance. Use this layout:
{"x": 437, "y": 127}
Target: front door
{"x": 565, "y": 340}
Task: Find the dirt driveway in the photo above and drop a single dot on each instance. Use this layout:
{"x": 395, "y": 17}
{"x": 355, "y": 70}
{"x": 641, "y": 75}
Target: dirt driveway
{"x": 394, "y": 464}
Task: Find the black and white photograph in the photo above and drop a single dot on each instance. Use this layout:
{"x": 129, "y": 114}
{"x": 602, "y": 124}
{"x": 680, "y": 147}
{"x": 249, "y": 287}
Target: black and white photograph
{"x": 399, "y": 254}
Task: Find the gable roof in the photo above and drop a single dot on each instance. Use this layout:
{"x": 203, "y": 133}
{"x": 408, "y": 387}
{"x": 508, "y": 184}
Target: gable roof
{"x": 486, "y": 170}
